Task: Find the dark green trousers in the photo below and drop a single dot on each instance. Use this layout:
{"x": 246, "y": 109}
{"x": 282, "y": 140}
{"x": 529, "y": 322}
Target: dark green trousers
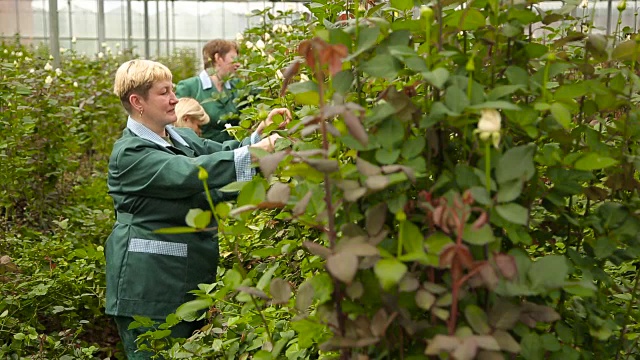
{"x": 128, "y": 337}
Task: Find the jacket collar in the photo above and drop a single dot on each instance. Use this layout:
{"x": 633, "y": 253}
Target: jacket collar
{"x": 206, "y": 82}
{"x": 145, "y": 133}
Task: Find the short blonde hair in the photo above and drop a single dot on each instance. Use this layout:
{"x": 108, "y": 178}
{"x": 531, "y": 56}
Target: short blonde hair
{"x": 137, "y": 77}
{"x": 191, "y": 108}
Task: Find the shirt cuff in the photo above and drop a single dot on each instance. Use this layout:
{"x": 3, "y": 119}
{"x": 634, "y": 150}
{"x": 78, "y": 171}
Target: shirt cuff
{"x": 242, "y": 160}
{"x": 255, "y": 138}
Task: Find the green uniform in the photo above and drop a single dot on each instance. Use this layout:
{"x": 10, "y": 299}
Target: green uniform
{"x": 215, "y": 103}
{"x": 153, "y": 185}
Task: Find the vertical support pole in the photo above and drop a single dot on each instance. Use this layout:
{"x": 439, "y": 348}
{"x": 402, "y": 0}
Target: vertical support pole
{"x": 609, "y": 11}
{"x": 157, "y": 28}
{"x": 70, "y": 14}
{"x": 147, "y": 51}
{"x": 129, "y": 27}
{"x": 173, "y": 22}
{"x": 54, "y": 33}
{"x": 166, "y": 20}
{"x": 17, "y": 5}
{"x": 101, "y": 31}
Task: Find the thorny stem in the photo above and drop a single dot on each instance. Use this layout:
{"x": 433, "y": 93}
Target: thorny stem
{"x": 331, "y": 233}
{"x": 456, "y": 279}
{"x": 487, "y": 167}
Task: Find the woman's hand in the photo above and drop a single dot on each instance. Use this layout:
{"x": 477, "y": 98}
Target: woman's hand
{"x": 268, "y": 143}
{"x": 286, "y": 114}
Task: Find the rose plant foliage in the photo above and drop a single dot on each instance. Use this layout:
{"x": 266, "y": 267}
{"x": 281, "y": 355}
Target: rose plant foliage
{"x": 452, "y": 187}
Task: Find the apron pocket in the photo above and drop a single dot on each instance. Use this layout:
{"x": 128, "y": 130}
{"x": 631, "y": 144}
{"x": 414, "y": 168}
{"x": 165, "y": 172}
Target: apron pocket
{"x": 154, "y": 271}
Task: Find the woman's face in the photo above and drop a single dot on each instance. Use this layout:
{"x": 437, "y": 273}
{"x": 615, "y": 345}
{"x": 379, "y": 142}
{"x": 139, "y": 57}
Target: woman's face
{"x": 192, "y": 124}
{"x": 160, "y": 104}
{"x": 226, "y": 65}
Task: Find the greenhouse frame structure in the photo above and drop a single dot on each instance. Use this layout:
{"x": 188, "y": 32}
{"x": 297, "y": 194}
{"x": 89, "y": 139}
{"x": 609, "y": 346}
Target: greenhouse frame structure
{"x": 170, "y": 24}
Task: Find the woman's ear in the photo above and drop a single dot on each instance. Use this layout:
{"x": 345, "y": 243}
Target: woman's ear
{"x": 216, "y": 58}
{"x": 135, "y": 101}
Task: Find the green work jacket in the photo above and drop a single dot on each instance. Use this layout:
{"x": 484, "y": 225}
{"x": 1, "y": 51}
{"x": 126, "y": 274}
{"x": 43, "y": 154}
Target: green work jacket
{"x": 215, "y": 103}
{"x": 153, "y": 185}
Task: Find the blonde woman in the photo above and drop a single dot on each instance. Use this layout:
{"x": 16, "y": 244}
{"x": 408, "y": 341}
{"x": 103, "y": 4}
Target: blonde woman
{"x": 191, "y": 115}
{"x": 148, "y": 273}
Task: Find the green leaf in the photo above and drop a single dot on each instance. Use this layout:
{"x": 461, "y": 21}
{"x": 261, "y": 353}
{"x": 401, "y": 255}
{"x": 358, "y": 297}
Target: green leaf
{"x": 342, "y": 81}
{"x": 190, "y": 310}
{"x": 265, "y": 279}
{"x": 477, "y": 319}
{"x": 262, "y": 355}
{"x": 438, "y": 77}
{"x": 411, "y": 237}
{"x": 509, "y": 190}
{"x": 367, "y": 37}
{"x": 456, "y": 99}
{"x": 424, "y": 299}
{"x": 516, "y": 163}
{"x": 514, "y": 213}
{"x": 502, "y": 91}
{"x": 343, "y": 266}
{"x": 387, "y": 156}
{"x": 626, "y": 50}
{"x": 482, "y": 236}
{"x": 198, "y": 218}
{"x": 383, "y": 65}
{"x": 176, "y": 230}
{"x": 413, "y": 147}
{"x": 496, "y": 104}
{"x": 234, "y": 186}
{"x": 309, "y": 332}
{"x": 561, "y": 114}
{"x": 389, "y": 272}
{"x": 593, "y": 161}
{"x": 252, "y": 193}
{"x": 466, "y": 19}
{"x": 305, "y": 93}
{"x": 549, "y": 271}
{"x": 402, "y": 4}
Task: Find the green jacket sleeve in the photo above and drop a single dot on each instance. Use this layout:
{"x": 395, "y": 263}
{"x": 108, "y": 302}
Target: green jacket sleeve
{"x": 151, "y": 171}
{"x": 184, "y": 88}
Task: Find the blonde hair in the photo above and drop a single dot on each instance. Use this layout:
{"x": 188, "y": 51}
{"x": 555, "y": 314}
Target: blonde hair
{"x": 191, "y": 108}
{"x": 137, "y": 77}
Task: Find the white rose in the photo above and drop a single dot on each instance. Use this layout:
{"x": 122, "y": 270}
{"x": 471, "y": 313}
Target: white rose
{"x": 6, "y": 51}
{"x": 239, "y": 37}
{"x": 279, "y": 74}
{"x": 584, "y": 4}
{"x": 260, "y": 44}
{"x": 249, "y": 45}
{"x": 490, "y": 121}
{"x": 75, "y": 84}
{"x": 19, "y": 54}
{"x": 270, "y": 58}
{"x": 100, "y": 55}
{"x": 104, "y": 44}
{"x": 304, "y": 77}
{"x": 48, "y": 67}
{"x": 32, "y": 71}
{"x": 489, "y": 126}
{"x": 62, "y": 50}
{"x": 73, "y": 40}
{"x": 267, "y": 36}
{"x": 48, "y": 80}
{"x": 58, "y": 71}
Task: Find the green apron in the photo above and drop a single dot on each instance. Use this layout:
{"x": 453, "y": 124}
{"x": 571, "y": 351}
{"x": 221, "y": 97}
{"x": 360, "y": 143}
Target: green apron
{"x": 154, "y": 187}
